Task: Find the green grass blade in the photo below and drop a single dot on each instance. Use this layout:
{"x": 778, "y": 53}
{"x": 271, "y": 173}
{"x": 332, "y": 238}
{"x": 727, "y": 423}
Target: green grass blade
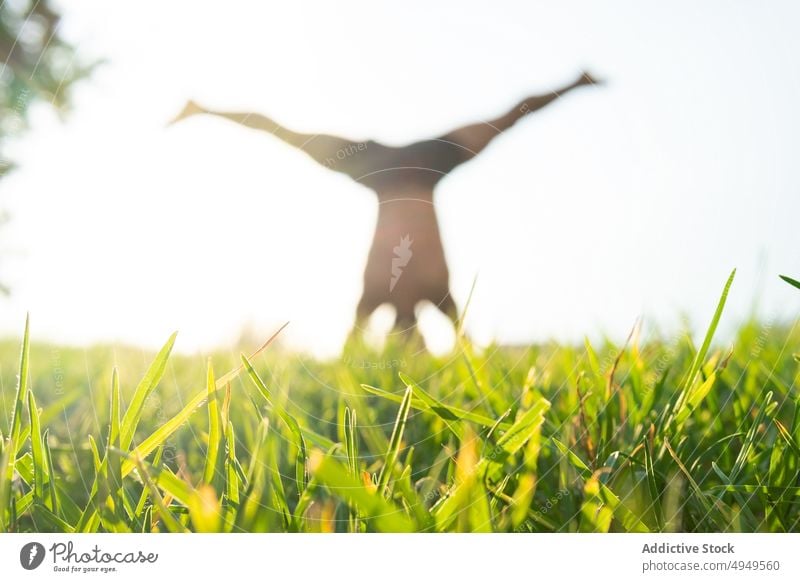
{"x": 160, "y": 435}
{"x": 750, "y": 438}
{"x": 51, "y": 480}
{"x": 380, "y": 513}
{"x": 708, "y": 507}
{"x": 140, "y": 506}
{"x": 49, "y": 521}
{"x": 350, "y": 434}
{"x": 214, "y": 431}
{"x": 115, "y": 427}
{"x": 5, "y": 484}
{"x": 712, "y": 328}
{"x": 694, "y": 396}
{"x": 523, "y": 429}
{"x": 151, "y": 379}
{"x": 232, "y": 480}
{"x": 351, "y": 440}
{"x": 629, "y": 520}
{"x": 170, "y": 521}
{"x": 416, "y": 504}
{"x": 24, "y": 435}
{"x": 37, "y": 450}
{"x": 301, "y": 461}
{"x": 205, "y": 511}
{"x": 395, "y": 442}
{"x": 113, "y": 461}
{"x": 418, "y": 404}
{"x": 22, "y": 387}
{"x": 792, "y": 282}
{"x": 787, "y": 436}
{"x": 98, "y": 464}
{"x": 451, "y": 419}
{"x": 462, "y": 317}
{"x": 652, "y": 486}
{"x": 462, "y": 493}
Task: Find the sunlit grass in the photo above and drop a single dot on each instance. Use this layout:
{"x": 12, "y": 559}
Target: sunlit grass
{"x": 652, "y": 435}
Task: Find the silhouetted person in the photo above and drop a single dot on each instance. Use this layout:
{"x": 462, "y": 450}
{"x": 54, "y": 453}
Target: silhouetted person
{"x": 406, "y": 263}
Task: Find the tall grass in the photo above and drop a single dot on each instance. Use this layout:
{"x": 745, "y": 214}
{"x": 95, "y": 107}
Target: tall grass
{"x": 653, "y": 435}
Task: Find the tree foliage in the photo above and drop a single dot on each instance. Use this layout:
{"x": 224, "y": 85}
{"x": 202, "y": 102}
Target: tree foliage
{"x": 38, "y": 65}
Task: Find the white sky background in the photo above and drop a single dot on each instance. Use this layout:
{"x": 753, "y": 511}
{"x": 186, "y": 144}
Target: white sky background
{"x": 635, "y": 198}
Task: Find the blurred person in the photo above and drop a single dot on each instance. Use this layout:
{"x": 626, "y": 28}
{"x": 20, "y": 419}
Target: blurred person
{"x": 406, "y": 263}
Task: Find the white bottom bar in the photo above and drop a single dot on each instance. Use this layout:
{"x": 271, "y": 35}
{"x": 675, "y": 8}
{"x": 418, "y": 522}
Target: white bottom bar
{"x": 385, "y": 557}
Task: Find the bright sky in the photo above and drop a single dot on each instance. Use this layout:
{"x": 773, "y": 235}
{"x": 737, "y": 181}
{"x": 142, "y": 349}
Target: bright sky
{"x": 634, "y": 199}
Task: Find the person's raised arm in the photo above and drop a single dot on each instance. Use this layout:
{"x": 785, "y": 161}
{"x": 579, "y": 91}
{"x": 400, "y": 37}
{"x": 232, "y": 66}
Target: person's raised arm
{"x": 472, "y": 139}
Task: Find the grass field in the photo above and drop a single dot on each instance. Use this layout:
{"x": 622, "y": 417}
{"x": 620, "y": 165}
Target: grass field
{"x": 657, "y": 434}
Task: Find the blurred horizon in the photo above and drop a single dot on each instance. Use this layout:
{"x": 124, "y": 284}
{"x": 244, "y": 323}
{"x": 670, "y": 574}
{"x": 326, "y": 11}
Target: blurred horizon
{"x": 632, "y": 199}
